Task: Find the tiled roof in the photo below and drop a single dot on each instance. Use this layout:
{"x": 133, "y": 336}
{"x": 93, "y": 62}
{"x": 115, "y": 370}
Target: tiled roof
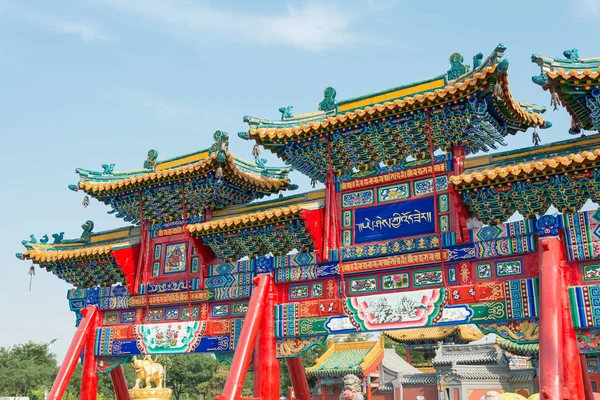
{"x": 253, "y": 219}
{"x": 528, "y": 349}
{"x": 468, "y": 354}
{"x": 463, "y": 333}
{"x": 574, "y": 74}
{"x": 195, "y": 169}
{"x": 420, "y": 380}
{"x": 41, "y": 255}
{"x": 528, "y": 169}
{"x": 347, "y": 358}
{"x": 436, "y": 97}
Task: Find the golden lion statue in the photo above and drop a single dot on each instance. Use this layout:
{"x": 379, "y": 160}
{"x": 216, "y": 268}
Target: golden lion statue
{"x": 148, "y": 371}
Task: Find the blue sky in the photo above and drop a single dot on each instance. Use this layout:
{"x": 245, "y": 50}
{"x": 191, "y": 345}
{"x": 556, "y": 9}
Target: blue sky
{"x": 88, "y": 82}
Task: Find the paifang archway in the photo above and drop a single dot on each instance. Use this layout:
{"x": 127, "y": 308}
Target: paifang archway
{"x": 410, "y": 231}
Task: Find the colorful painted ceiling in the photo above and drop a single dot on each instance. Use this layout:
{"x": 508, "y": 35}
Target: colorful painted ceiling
{"x": 472, "y": 108}
{"x": 575, "y": 83}
{"x": 161, "y": 192}
{"x": 449, "y": 334}
{"x": 359, "y": 358}
{"x": 85, "y": 262}
{"x": 275, "y": 231}
{"x": 531, "y": 186}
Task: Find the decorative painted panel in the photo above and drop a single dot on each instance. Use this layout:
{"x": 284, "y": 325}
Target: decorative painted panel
{"x": 346, "y": 219}
{"x": 361, "y": 198}
{"x": 299, "y": 291}
{"x": 509, "y": 268}
{"x": 428, "y": 277}
{"x": 175, "y": 258}
{"x": 363, "y": 285}
{"x": 443, "y": 203}
{"x": 398, "y": 191}
{"x": 484, "y": 270}
{"x": 157, "y": 251}
{"x": 425, "y": 186}
{"x": 220, "y": 310}
{"x": 591, "y": 272}
{"x": 239, "y": 309}
{"x": 397, "y": 310}
{"x": 395, "y": 281}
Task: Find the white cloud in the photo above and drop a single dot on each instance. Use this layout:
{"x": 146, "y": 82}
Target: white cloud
{"x": 588, "y": 8}
{"x": 312, "y": 26}
{"x": 86, "y": 30}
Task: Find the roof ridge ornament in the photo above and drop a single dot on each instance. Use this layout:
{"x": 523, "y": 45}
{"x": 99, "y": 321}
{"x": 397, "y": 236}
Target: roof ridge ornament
{"x": 572, "y": 55}
{"x": 151, "y": 160}
{"x": 286, "y": 112}
{"x": 457, "y": 67}
{"x": 329, "y": 103}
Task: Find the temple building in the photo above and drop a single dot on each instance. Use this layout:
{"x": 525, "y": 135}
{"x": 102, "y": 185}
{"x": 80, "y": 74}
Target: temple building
{"x": 410, "y": 236}
{"x": 459, "y": 371}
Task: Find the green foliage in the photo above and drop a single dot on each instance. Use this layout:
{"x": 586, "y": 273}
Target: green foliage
{"x": 186, "y": 371}
{"x": 26, "y": 369}
{"x": 416, "y": 356}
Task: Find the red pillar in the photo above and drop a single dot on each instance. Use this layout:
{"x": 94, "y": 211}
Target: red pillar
{"x": 243, "y": 352}
{"x": 323, "y": 392}
{"x": 70, "y": 362}
{"x": 119, "y": 382}
{"x": 298, "y": 378}
{"x": 266, "y": 365}
{"x": 408, "y": 355}
{"x": 551, "y": 355}
{"x": 89, "y": 380}
{"x": 368, "y": 381}
{"x": 571, "y": 360}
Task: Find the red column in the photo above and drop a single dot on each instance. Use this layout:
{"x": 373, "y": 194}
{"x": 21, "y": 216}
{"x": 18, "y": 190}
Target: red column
{"x": 298, "y": 378}
{"x": 119, "y": 382}
{"x": 243, "y": 352}
{"x": 323, "y": 392}
{"x": 571, "y": 360}
{"x": 89, "y": 380}
{"x": 408, "y": 355}
{"x": 368, "y": 381}
{"x": 551, "y": 356}
{"x": 70, "y": 362}
{"x": 266, "y": 365}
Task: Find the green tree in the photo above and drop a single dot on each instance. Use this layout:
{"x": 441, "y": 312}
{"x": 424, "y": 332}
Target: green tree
{"x": 187, "y": 371}
{"x": 25, "y": 369}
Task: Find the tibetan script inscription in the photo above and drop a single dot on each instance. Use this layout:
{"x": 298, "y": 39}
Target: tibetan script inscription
{"x": 392, "y": 221}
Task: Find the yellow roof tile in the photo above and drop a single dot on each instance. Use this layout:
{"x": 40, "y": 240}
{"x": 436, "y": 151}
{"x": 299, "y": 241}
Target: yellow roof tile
{"x": 464, "y": 332}
{"x": 48, "y": 254}
{"x": 526, "y": 168}
{"x": 239, "y": 221}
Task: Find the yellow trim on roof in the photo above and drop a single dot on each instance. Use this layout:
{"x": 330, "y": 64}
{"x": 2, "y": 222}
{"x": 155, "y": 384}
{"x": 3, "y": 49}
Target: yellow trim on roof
{"x": 435, "y": 97}
{"x": 392, "y": 95}
{"x": 574, "y": 74}
{"x": 526, "y": 168}
{"x": 258, "y": 218}
{"x": 110, "y": 236}
{"x": 175, "y": 173}
{"x": 465, "y": 332}
{"x": 46, "y": 256}
{"x": 180, "y": 161}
